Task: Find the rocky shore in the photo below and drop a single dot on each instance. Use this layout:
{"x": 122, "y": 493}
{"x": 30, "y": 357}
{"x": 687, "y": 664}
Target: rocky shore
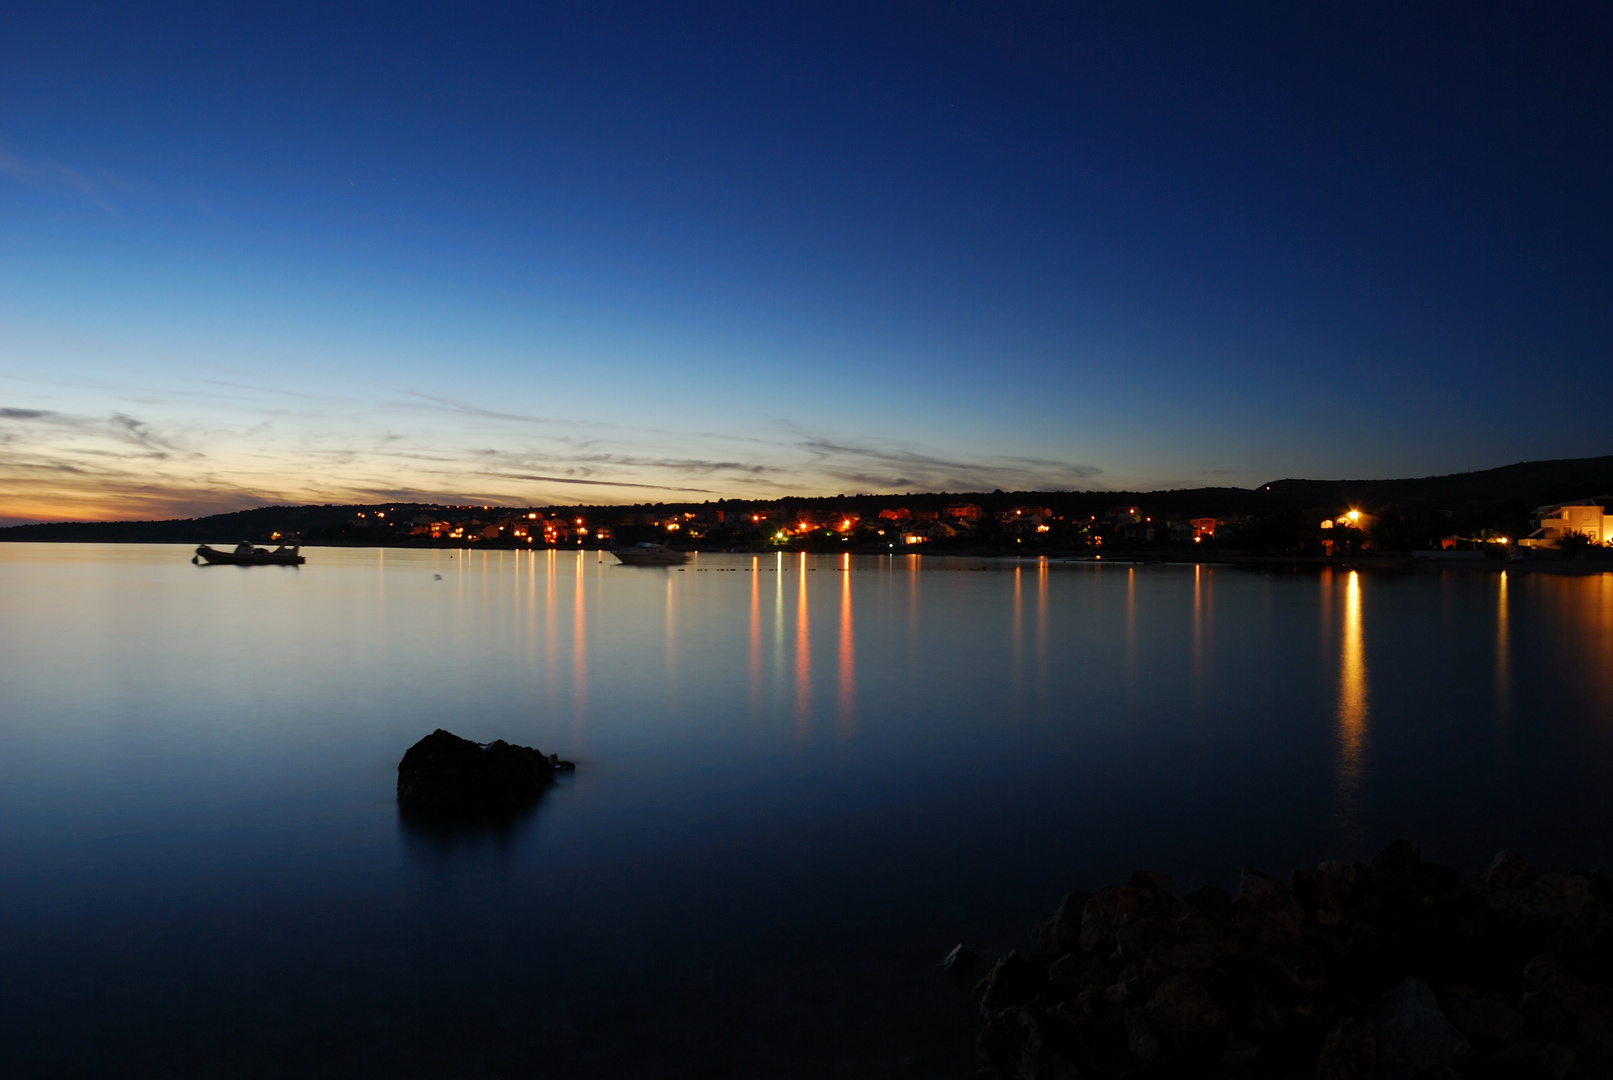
{"x": 1394, "y": 969}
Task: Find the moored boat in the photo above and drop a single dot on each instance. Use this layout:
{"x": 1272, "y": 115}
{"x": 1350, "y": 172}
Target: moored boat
{"x": 247, "y": 555}
{"x": 650, "y": 555}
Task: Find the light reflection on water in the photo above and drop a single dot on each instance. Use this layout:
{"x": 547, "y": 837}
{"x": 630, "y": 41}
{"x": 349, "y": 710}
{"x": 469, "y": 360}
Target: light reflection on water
{"x": 802, "y": 778}
{"x": 1354, "y": 696}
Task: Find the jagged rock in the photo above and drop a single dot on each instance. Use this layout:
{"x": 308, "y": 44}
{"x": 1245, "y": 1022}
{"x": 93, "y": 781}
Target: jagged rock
{"x": 1552, "y": 983}
{"x": 1487, "y": 1017}
{"x": 1013, "y": 980}
{"x": 1112, "y": 908}
{"x": 1395, "y": 866}
{"x": 1197, "y": 941}
{"x": 1277, "y": 983}
{"x": 1141, "y": 1038}
{"x": 1507, "y": 870}
{"x": 1267, "y": 907}
{"x": 1063, "y": 931}
{"x": 1011, "y": 1041}
{"x": 1077, "y": 969}
{"x": 1532, "y": 1060}
{"x": 1349, "y": 1052}
{"x": 445, "y": 774}
{"x": 1183, "y": 1010}
{"x": 1211, "y": 898}
{"x": 1413, "y": 1035}
{"x": 959, "y": 960}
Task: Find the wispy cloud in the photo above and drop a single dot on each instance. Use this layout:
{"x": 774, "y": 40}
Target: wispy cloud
{"x": 43, "y": 174}
{"x": 602, "y": 483}
{"x": 140, "y": 458}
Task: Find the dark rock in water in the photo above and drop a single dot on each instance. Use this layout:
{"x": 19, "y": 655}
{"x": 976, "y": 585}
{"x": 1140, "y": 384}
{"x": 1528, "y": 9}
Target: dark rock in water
{"x": 1393, "y": 968}
{"x": 445, "y": 774}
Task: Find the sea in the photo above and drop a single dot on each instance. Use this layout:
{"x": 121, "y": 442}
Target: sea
{"x": 801, "y": 780}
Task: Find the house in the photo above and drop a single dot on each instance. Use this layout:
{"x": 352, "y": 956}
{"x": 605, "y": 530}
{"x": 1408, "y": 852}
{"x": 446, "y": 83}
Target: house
{"x": 929, "y": 530}
{"x": 1561, "y": 519}
{"x": 964, "y": 512}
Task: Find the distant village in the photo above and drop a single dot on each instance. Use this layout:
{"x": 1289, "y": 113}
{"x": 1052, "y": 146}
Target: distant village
{"x": 1548, "y": 510}
{"x": 865, "y": 524}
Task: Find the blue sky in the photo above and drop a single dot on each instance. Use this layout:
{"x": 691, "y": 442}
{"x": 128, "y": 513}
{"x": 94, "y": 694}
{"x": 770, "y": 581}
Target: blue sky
{"x": 612, "y": 253}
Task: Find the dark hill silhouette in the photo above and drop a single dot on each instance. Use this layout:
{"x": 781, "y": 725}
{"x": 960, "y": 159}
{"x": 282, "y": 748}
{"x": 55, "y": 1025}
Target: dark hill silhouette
{"x": 256, "y": 525}
{"x": 1535, "y": 483}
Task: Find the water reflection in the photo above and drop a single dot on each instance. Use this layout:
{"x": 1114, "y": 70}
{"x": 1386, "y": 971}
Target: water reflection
{"x": 754, "y": 638}
{"x": 1041, "y": 630}
{"x": 803, "y": 656}
{"x": 579, "y": 650}
{"x": 433, "y": 838}
{"x": 1503, "y": 671}
{"x": 848, "y": 652}
{"x": 1352, "y": 704}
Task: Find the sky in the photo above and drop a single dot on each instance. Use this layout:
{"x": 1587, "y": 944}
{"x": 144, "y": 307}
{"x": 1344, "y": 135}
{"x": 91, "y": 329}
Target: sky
{"x": 612, "y": 253}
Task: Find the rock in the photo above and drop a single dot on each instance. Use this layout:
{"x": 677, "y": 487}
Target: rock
{"x": 1141, "y": 1039}
{"x": 1011, "y": 1043}
{"x": 1507, "y": 870}
{"x": 1267, "y": 907}
{"x": 1212, "y": 899}
{"x": 1078, "y": 970}
{"x": 1013, "y": 980}
{"x": 1183, "y": 1010}
{"x": 1349, "y": 1052}
{"x": 1063, "y": 931}
{"x": 1545, "y": 896}
{"x": 1531, "y": 1060}
{"x": 1394, "y": 867}
{"x": 1198, "y": 942}
{"x": 959, "y": 960}
{"x": 1238, "y": 1052}
{"x": 1487, "y": 1018}
{"x": 1111, "y": 908}
{"x": 1142, "y": 982}
{"x": 445, "y": 774}
{"x": 1413, "y": 1035}
{"x": 1136, "y": 940}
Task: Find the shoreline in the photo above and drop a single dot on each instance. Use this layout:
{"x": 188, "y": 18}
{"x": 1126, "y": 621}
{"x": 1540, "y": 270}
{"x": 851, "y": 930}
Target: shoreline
{"x": 1394, "y": 968}
{"x": 1430, "y": 562}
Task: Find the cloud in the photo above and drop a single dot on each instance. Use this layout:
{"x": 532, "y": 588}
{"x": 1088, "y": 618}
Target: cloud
{"x": 170, "y": 455}
{"x": 601, "y": 483}
{"x": 43, "y": 174}
{"x": 908, "y": 469}
{"x": 463, "y": 409}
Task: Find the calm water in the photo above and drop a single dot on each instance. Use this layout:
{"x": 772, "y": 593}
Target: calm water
{"x": 800, "y": 781}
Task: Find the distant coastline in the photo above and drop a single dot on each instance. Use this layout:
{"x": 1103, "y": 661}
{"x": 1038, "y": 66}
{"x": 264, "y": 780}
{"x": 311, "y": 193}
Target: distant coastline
{"x": 1465, "y": 520}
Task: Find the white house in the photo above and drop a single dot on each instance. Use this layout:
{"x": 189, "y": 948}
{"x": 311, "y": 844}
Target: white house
{"x": 1584, "y": 516}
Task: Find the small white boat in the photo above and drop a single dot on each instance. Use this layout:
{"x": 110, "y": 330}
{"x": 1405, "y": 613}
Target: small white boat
{"x": 650, "y": 555}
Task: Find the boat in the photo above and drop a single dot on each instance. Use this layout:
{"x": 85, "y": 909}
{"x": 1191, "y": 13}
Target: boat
{"x": 247, "y": 555}
{"x": 650, "y": 555}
